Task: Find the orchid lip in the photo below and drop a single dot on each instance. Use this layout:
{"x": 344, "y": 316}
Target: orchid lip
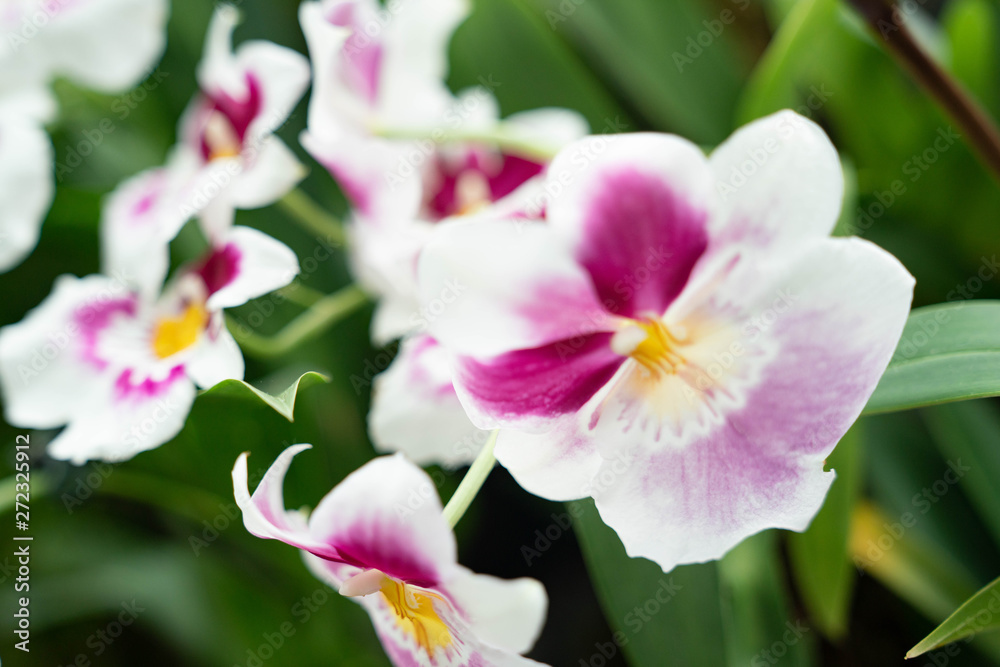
{"x": 652, "y": 344}
{"x": 413, "y": 610}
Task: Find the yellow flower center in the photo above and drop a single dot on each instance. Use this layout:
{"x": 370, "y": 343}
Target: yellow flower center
{"x": 651, "y": 343}
{"x": 221, "y": 137}
{"x": 415, "y": 614}
{"x": 472, "y": 192}
{"x": 173, "y": 334}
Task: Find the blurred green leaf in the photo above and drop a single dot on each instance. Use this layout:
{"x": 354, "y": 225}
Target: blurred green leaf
{"x": 970, "y": 432}
{"x": 755, "y": 611}
{"x": 741, "y": 600}
{"x": 682, "y": 630}
{"x": 283, "y": 403}
{"x": 966, "y": 620}
{"x": 820, "y": 557}
{"x": 948, "y": 352}
{"x": 800, "y": 40}
{"x": 675, "y": 62}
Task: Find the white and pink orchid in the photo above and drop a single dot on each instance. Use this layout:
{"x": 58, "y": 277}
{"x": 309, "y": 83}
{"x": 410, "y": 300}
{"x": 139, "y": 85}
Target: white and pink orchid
{"x": 228, "y": 157}
{"x": 380, "y": 537}
{"x": 116, "y": 361}
{"x": 678, "y": 338}
{"x": 409, "y": 155}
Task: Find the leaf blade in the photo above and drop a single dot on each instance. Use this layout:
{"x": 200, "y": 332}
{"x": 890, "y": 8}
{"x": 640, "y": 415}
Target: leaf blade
{"x": 283, "y": 403}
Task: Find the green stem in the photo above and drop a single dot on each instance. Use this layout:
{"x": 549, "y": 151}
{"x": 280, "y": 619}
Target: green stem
{"x": 504, "y": 140}
{"x": 980, "y": 132}
{"x": 472, "y": 482}
{"x": 321, "y": 315}
{"x": 312, "y": 217}
{"x": 301, "y": 294}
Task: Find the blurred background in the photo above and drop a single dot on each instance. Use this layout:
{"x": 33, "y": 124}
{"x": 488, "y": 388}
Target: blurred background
{"x": 148, "y": 563}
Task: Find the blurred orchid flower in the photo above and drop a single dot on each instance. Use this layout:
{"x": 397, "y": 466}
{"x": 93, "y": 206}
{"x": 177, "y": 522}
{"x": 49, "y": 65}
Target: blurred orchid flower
{"x": 26, "y": 186}
{"x": 229, "y": 128}
{"x": 409, "y": 154}
{"x": 228, "y": 157}
{"x": 680, "y": 339}
{"x": 105, "y": 45}
{"x": 380, "y": 537}
{"x": 117, "y": 361}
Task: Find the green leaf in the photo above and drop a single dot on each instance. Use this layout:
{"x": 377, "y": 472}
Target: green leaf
{"x": 968, "y": 433}
{"x": 948, "y": 352}
{"x": 759, "y": 625}
{"x": 677, "y": 618}
{"x": 977, "y": 614}
{"x": 684, "y": 630}
{"x": 820, "y": 557}
{"x": 677, "y": 63}
{"x": 795, "y": 47}
{"x": 283, "y": 403}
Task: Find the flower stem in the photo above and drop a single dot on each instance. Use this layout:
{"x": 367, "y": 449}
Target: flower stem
{"x": 504, "y": 140}
{"x": 980, "y": 131}
{"x": 472, "y": 482}
{"x": 323, "y": 314}
{"x": 312, "y": 217}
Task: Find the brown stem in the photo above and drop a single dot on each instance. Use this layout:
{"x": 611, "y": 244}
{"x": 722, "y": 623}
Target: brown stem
{"x": 981, "y": 133}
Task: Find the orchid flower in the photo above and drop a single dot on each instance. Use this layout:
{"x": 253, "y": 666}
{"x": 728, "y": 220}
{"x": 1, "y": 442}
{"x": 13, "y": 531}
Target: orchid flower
{"x": 105, "y": 45}
{"x": 26, "y": 186}
{"x": 380, "y": 538}
{"x": 117, "y": 362}
{"x": 409, "y": 154}
{"x": 228, "y": 130}
{"x": 679, "y": 338}
{"x": 228, "y": 157}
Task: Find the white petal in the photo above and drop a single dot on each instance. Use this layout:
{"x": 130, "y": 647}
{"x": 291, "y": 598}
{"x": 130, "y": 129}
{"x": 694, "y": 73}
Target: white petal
{"x": 218, "y": 69}
{"x": 388, "y": 516}
{"x": 112, "y": 427}
{"x": 264, "y": 265}
{"x": 26, "y": 187}
{"x": 490, "y": 287}
{"x": 217, "y": 358}
{"x": 825, "y": 320}
{"x": 283, "y": 75}
{"x": 505, "y": 614}
{"x": 108, "y": 45}
{"x": 416, "y": 411}
{"x": 140, "y": 218}
{"x": 778, "y": 179}
{"x": 270, "y": 171}
{"x": 412, "y": 92}
{"x": 43, "y": 368}
{"x": 548, "y": 129}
